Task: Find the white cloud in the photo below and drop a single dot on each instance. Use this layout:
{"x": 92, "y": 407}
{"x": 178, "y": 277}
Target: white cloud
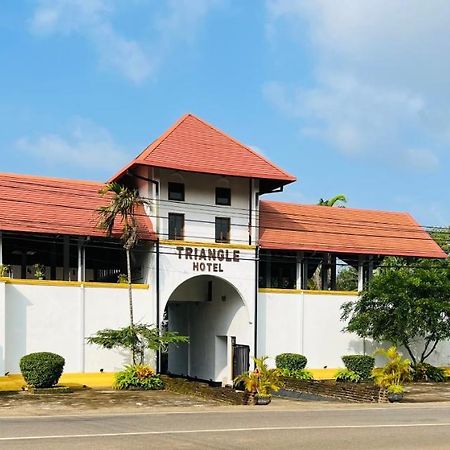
{"x": 135, "y": 59}
{"x": 85, "y": 145}
{"x": 420, "y": 159}
{"x": 380, "y": 80}
{"x": 92, "y": 20}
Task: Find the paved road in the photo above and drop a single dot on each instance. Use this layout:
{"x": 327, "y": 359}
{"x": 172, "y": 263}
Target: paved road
{"x": 337, "y": 428}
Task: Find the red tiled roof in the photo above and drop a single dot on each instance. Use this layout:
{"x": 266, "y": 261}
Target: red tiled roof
{"x": 196, "y": 146}
{"x": 56, "y": 206}
{"x": 289, "y": 226}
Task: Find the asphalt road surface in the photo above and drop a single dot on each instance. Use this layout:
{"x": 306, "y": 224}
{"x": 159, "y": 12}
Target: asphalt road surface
{"x": 387, "y": 427}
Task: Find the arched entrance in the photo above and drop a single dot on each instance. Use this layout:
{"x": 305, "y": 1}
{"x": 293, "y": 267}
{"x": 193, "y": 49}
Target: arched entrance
{"x": 212, "y": 313}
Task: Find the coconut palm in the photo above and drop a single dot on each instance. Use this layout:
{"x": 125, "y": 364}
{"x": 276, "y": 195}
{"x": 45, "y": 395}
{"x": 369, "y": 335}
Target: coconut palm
{"x": 338, "y": 200}
{"x": 123, "y": 203}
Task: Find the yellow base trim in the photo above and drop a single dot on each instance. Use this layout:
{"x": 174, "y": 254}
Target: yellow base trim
{"x": 74, "y": 380}
{"x": 88, "y": 284}
{"x": 206, "y": 244}
{"x": 323, "y": 374}
{"x": 305, "y": 291}
{"x": 15, "y": 382}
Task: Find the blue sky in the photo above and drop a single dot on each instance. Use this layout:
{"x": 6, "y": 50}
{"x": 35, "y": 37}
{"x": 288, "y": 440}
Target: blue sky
{"x": 351, "y": 97}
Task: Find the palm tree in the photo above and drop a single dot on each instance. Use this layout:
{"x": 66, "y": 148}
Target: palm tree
{"x": 338, "y": 200}
{"x": 122, "y": 206}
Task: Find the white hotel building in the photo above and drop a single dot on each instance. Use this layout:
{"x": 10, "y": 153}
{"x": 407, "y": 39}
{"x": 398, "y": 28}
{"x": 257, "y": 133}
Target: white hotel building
{"x": 218, "y": 260}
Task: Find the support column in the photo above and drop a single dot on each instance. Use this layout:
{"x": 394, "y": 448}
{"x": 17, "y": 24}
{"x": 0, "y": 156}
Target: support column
{"x": 81, "y": 260}
{"x": 360, "y": 273}
{"x": 66, "y": 253}
{"x": 333, "y": 272}
{"x": 370, "y": 268}
{"x": 299, "y": 281}
{"x": 268, "y": 268}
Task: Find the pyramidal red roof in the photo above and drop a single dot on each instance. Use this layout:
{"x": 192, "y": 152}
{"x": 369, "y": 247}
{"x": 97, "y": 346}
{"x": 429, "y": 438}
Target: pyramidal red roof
{"x": 194, "y": 145}
{"x": 57, "y": 206}
{"x": 291, "y": 226}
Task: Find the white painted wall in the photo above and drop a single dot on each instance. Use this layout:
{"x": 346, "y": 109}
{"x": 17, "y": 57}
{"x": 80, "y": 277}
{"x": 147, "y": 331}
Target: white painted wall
{"x": 2, "y": 328}
{"x": 199, "y": 206}
{"x": 57, "y": 319}
{"x": 310, "y": 324}
{"x": 306, "y": 324}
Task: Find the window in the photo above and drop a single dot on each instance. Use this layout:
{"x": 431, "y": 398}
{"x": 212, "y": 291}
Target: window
{"x": 176, "y": 226}
{"x": 223, "y": 196}
{"x": 222, "y": 229}
{"x": 176, "y": 192}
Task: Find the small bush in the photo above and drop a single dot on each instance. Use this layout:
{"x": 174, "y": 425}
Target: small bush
{"x": 42, "y": 370}
{"x": 291, "y": 361}
{"x": 427, "y": 372}
{"x": 302, "y": 374}
{"x": 347, "y": 375}
{"x": 360, "y": 364}
{"x": 138, "y": 376}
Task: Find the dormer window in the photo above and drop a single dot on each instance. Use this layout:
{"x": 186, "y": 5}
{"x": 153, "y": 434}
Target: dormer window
{"x": 176, "y": 192}
{"x": 223, "y": 196}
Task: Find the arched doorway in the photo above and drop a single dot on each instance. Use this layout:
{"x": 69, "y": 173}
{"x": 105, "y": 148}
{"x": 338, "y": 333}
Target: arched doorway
{"x": 211, "y": 311}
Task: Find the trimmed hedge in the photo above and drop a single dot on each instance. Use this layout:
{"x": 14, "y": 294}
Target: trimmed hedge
{"x": 427, "y": 372}
{"x": 291, "y": 361}
{"x": 42, "y": 370}
{"x": 360, "y": 364}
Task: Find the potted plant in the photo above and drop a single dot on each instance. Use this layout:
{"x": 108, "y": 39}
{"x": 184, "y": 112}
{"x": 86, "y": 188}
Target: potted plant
{"x": 260, "y": 382}
{"x": 5, "y": 271}
{"x": 39, "y": 271}
{"x": 393, "y": 374}
{"x": 395, "y": 392}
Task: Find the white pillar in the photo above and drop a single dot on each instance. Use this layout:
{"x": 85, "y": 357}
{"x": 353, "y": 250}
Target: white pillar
{"x": 81, "y": 260}
{"x": 299, "y": 270}
{"x": 360, "y": 273}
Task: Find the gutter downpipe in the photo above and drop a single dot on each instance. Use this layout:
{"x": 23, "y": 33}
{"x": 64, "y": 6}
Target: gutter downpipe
{"x": 158, "y": 353}
{"x": 255, "y": 351}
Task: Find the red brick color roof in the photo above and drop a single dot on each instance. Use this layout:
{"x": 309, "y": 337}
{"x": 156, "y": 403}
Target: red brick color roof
{"x": 196, "y": 146}
{"x": 291, "y": 226}
{"x": 56, "y": 206}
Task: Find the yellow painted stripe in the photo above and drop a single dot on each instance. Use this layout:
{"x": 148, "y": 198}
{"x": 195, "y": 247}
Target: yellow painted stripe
{"x": 206, "y": 244}
{"x": 60, "y": 283}
{"x": 15, "y": 382}
{"x": 305, "y": 291}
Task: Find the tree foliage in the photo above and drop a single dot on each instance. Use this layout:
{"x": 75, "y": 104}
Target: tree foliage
{"x": 347, "y": 279}
{"x": 338, "y": 200}
{"x": 122, "y": 206}
{"x": 404, "y": 303}
{"x": 138, "y": 338}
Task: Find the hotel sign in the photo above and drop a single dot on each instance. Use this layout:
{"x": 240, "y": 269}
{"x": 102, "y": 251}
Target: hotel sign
{"x": 208, "y": 259}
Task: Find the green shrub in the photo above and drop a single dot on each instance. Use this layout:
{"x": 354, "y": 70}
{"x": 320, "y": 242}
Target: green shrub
{"x": 347, "y": 375}
{"x": 42, "y": 370}
{"x": 360, "y": 364}
{"x": 139, "y": 376}
{"x": 301, "y": 374}
{"x": 291, "y": 361}
{"x": 427, "y": 372}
